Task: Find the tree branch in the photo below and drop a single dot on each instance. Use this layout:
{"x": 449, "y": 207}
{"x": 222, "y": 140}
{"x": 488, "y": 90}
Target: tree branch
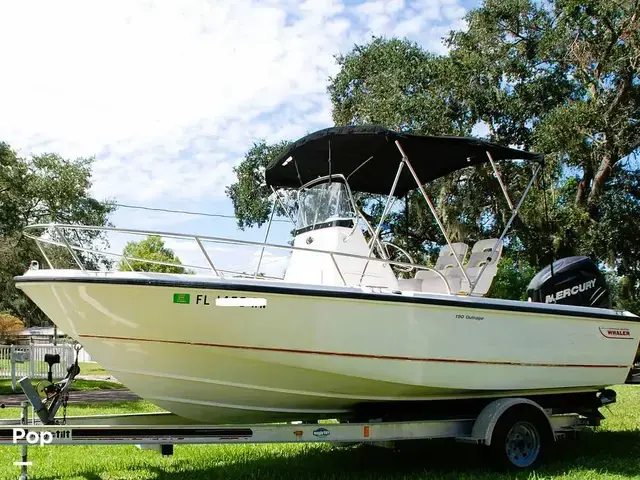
{"x": 583, "y": 185}
{"x": 634, "y": 143}
{"x": 601, "y": 176}
{"x": 623, "y": 91}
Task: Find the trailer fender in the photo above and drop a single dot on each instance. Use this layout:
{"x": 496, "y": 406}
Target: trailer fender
{"x": 485, "y": 423}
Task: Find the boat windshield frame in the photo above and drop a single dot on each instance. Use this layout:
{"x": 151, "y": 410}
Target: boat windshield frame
{"x": 334, "y": 218}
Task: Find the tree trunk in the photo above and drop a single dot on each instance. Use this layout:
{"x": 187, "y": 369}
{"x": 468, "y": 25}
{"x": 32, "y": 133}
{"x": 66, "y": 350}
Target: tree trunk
{"x": 583, "y": 186}
{"x": 601, "y": 176}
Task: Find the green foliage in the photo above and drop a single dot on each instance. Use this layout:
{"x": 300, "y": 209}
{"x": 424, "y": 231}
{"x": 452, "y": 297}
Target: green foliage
{"x": 625, "y": 294}
{"x": 559, "y": 77}
{"x": 512, "y": 279}
{"x": 562, "y": 77}
{"x": 151, "y": 248}
{"x": 616, "y": 237}
{"x": 501, "y": 70}
{"x": 250, "y": 195}
{"x": 397, "y": 84}
{"x": 10, "y": 326}
{"x": 43, "y": 189}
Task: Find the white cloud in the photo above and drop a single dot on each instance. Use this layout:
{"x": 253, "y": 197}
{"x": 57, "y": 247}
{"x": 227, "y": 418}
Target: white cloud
{"x": 169, "y": 95}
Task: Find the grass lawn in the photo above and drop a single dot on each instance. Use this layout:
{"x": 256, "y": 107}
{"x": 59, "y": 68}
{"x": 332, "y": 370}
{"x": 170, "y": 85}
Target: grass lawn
{"x": 78, "y": 386}
{"x": 611, "y": 451}
{"x": 91, "y": 368}
{"x": 104, "y": 408}
{"x": 86, "y": 368}
{"x": 38, "y": 366}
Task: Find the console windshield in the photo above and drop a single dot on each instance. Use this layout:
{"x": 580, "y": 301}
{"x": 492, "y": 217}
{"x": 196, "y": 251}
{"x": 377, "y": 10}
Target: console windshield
{"x": 322, "y": 203}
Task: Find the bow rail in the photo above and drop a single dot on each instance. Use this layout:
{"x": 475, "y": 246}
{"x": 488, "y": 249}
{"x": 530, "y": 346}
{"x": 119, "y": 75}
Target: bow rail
{"x": 200, "y": 241}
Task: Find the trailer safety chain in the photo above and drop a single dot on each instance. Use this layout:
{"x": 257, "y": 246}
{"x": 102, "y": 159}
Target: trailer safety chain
{"x": 64, "y": 408}
{"x": 76, "y": 368}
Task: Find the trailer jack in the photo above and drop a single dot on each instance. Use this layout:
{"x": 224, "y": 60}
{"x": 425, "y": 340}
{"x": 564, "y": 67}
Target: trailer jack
{"x": 55, "y": 395}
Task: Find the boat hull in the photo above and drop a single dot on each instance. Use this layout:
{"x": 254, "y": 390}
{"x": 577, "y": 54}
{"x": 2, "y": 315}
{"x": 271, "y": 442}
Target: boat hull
{"x": 316, "y": 354}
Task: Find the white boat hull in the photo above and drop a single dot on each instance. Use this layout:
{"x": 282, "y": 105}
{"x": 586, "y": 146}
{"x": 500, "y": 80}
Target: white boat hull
{"x": 316, "y": 354}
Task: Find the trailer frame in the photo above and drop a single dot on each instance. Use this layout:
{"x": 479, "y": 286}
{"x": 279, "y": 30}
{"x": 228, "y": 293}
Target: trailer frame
{"x": 161, "y": 431}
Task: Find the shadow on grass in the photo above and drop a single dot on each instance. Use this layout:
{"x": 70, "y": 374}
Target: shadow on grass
{"x": 616, "y": 453}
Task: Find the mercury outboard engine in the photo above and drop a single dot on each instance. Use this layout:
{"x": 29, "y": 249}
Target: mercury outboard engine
{"x": 575, "y": 281}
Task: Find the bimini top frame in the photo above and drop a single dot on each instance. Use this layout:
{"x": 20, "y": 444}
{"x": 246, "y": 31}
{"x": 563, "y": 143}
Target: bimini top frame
{"x": 366, "y": 156}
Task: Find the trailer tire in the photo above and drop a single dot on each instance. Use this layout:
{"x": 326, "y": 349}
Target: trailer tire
{"x": 521, "y": 438}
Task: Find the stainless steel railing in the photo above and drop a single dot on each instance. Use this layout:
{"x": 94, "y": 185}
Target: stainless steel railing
{"x": 199, "y": 240}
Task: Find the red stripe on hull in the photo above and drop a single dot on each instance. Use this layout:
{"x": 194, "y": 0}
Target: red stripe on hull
{"x": 355, "y": 355}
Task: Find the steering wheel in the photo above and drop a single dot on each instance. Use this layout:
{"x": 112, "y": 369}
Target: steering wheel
{"x": 400, "y": 268}
{"x": 381, "y": 246}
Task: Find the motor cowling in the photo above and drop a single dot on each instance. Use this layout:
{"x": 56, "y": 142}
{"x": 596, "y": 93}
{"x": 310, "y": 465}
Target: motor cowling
{"x": 575, "y": 281}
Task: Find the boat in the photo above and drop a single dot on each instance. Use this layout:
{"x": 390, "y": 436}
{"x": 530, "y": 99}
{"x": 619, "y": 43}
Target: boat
{"x": 348, "y": 326}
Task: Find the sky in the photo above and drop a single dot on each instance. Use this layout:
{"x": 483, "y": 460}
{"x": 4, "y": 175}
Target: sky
{"x": 168, "y": 96}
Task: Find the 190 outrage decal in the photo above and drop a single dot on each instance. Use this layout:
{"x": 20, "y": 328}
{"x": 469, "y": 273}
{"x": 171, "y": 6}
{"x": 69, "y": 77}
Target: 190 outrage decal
{"x": 623, "y": 333}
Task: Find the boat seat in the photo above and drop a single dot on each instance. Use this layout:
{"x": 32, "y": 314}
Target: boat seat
{"x": 445, "y": 257}
{"x": 478, "y": 258}
{"x": 432, "y": 282}
{"x": 452, "y": 273}
{"x": 454, "y": 278}
{"x": 428, "y": 281}
{"x": 410, "y": 284}
{"x": 486, "y": 246}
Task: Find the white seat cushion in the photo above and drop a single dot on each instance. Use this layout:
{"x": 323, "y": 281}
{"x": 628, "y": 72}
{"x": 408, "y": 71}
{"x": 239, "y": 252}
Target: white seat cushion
{"x": 434, "y": 283}
{"x": 485, "y": 280}
{"x": 410, "y": 284}
{"x": 459, "y": 248}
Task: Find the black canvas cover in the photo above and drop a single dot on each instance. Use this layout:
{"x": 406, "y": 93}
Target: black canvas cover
{"x": 432, "y": 157}
{"x": 575, "y": 281}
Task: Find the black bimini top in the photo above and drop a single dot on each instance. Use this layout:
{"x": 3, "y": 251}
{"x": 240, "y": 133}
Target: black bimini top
{"x": 350, "y": 147}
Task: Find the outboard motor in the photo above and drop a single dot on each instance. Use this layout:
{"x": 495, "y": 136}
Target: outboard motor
{"x": 575, "y": 281}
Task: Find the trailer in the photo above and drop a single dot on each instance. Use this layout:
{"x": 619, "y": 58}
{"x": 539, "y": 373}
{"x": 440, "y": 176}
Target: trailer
{"x": 516, "y": 431}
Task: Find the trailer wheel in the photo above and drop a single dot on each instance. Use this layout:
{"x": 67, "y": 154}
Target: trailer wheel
{"x": 521, "y": 438}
